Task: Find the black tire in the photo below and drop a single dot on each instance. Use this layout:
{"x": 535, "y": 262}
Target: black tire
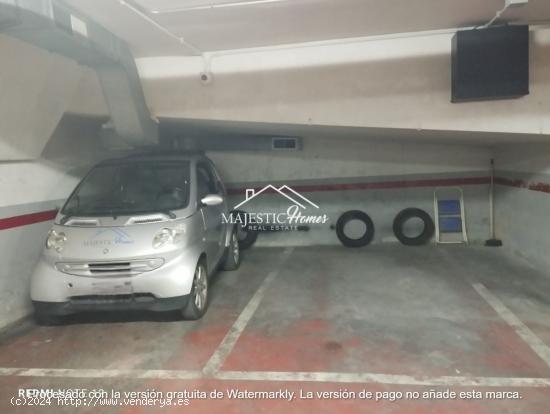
{"x": 232, "y": 255}
{"x": 45, "y": 319}
{"x": 355, "y": 215}
{"x": 247, "y": 236}
{"x": 192, "y": 311}
{"x": 407, "y": 214}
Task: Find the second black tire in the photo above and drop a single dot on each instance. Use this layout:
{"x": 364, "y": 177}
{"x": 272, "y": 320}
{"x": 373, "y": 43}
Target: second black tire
{"x": 408, "y": 214}
{"x": 355, "y": 215}
{"x": 247, "y": 236}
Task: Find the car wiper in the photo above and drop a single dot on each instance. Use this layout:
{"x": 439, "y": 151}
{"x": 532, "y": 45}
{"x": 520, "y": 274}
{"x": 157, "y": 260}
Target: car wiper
{"x": 115, "y": 214}
{"x": 169, "y": 214}
{"x": 72, "y": 214}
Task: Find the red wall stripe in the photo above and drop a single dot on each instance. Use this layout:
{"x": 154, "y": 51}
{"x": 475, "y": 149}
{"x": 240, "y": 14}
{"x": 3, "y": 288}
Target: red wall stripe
{"x": 518, "y": 183}
{"x": 26, "y": 219}
{"x": 383, "y": 185}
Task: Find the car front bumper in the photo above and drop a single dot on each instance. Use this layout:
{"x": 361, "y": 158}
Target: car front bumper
{"x": 98, "y": 303}
{"x": 162, "y": 289}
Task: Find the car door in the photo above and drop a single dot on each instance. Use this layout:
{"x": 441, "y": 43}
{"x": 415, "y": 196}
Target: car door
{"x": 212, "y": 215}
{"x": 222, "y": 209}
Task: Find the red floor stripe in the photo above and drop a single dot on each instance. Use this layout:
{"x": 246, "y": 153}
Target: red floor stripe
{"x": 26, "y": 219}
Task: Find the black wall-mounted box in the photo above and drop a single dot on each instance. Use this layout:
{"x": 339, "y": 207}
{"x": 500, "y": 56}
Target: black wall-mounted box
{"x": 490, "y": 63}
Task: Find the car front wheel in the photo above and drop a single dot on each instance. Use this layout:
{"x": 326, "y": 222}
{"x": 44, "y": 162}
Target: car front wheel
{"x": 198, "y": 299}
{"x": 232, "y": 258}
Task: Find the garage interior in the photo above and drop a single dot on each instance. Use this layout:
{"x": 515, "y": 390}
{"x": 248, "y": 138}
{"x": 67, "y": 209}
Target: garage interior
{"x": 360, "y": 90}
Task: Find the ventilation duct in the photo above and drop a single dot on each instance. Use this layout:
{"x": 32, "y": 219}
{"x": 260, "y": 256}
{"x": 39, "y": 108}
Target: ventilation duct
{"x": 54, "y": 26}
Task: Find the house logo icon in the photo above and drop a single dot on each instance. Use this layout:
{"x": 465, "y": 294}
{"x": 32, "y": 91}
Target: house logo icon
{"x": 292, "y": 195}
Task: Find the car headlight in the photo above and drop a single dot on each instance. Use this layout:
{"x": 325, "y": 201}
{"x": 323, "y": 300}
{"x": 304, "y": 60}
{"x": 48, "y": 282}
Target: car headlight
{"x": 56, "y": 241}
{"x": 166, "y": 235}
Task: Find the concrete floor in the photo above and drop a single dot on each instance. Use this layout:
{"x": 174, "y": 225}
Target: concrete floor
{"x": 385, "y": 318}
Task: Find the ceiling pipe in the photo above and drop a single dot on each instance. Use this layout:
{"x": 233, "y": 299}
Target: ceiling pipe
{"x": 210, "y": 56}
{"x": 217, "y": 6}
{"x": 136, "y": 10}
{"x": 498, "y": 15}
{"x": 494, "y": 19}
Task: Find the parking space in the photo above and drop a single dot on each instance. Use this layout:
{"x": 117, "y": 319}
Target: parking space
{"x": 138, "y": 340}
{"x": 317, "y": 318}
{"x": 333, "y": 315}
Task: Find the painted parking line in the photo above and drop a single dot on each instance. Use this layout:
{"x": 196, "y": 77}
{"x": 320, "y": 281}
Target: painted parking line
{"x": 228, "y": 343}
{"x": 327, "y": 377}
{"x": 388, "y": 379}
{"x": 534, "y": 342}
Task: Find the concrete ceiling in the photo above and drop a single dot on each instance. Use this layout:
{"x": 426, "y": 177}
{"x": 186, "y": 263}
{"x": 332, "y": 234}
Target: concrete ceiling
{"x": 152, "y": 27}
{"x": 229, "y": 129}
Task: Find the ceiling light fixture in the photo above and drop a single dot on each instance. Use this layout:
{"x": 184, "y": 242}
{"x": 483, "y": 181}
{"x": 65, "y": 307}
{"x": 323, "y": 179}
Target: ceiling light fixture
{"x": 216, "y": 6}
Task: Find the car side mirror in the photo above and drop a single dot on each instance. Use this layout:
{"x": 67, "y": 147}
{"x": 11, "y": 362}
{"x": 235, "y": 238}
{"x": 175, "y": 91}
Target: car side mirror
{"x": 212, "y": 200}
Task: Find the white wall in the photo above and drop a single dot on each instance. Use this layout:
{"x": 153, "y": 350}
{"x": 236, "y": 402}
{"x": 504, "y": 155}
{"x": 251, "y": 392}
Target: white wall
{"x": 337, "y": 160}
{"x": 40, "y": 185}
{"x": 523, "y": 204}
{"x": 397, "y": 83}
{"x": 333, "y": 157}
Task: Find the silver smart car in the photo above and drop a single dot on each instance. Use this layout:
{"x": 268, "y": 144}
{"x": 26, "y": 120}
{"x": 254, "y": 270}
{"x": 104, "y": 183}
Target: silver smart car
{"x": 143, "y": 232}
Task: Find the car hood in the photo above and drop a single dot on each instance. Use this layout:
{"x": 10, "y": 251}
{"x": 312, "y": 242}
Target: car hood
{"x": 115, "y": 242}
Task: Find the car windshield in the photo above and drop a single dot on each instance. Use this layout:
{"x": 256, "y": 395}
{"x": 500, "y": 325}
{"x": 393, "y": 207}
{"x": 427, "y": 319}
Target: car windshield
{"x": 131, "y": 188}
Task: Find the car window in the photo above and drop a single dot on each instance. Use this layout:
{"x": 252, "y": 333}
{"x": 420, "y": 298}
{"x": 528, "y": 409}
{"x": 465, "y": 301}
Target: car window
{"x": 131, "y": 188}
{"x": 205, "y": 181}
{"x": 220, "y": 188}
